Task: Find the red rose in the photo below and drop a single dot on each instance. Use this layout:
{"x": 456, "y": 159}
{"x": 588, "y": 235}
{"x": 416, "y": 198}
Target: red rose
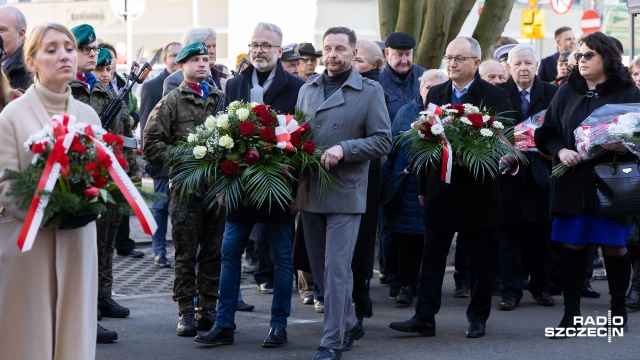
{"x": 63, "y": 159}
{"x": 229, "y": 168}
{"x": 251, "y": 157}
{"x": 91, "y": 192}
{"x": 108, "y": 138}
{"x": 305, "y": 127}
{"x": 259, "y": 109}
{"x": 267, "y": 134}
{"x": 100, "y": 181}
{"x": 91, "y": 168}
{"x": 309, "y": 147}
{"x": 77, "y": 147}
{"x": 296, "y": 139}
{"x": 246, "y": 128}
{"x": 459, "y": 108}
{"x": 104, "y": 160}
{"x": 476, "y": 120}
{"x": 39, "y": 148}
{"x": 490, "y": 122}
{"x": 267, "y": 119}
{"x": 65, "y": 171}
{"x": 425, "y": 129}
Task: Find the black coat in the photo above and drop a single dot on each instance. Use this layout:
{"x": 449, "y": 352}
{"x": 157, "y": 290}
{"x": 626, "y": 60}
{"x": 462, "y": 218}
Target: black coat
{"x": 574, "y": 193}
{"x": 525, "y": 196}
{"x": 281, "y": 96}
{"x": 19, "y": 76}
{"x": 466, "y": 204}
{"x": 549, "y": 68}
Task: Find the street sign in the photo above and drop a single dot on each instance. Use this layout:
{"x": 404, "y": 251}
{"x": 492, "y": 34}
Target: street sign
{"x": 561, "y": 7}
{"x": 533, "y": 3}
{"x": 533, "y": 24}
{"x": 590, "y": 22}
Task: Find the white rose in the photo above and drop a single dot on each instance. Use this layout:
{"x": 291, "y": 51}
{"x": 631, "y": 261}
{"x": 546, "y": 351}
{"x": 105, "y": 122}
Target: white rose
{"x": 199, "y": 151}
{"x": 226, "y": 141}
{"x": 437, "y": 129}
{"x": 486, "y": 118}
{"x": 243, "y": 114}
{"x": 486, "y": 132}
{"x": 498, "y": 125}
{"x": 210, "y": 123}
{"x": 223, "y": 121}
{"x": 192, "y": 138}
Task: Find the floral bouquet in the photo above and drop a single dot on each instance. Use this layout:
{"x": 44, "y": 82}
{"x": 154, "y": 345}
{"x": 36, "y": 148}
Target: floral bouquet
{"x": 248, "y": 155}
{"x": 473, "y": 137}
{"x": 523, "y": 132}
{"x": 608, "y": 124}
{"x": 76, "y": 172}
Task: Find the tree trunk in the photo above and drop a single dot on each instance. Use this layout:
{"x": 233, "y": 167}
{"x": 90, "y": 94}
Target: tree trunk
{"x": 461, "y": 10}
{"x": 388, "y": 12}
{"x": 410, "y": 17}
{"x": 493, "y": 19}
{"x": 436, "y": 29}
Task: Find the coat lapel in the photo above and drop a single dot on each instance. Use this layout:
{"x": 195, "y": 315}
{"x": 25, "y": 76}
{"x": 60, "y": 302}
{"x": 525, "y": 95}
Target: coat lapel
{"x": 354, "y": 81}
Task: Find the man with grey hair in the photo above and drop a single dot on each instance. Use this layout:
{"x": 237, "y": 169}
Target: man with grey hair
{"x": 209, "y": 36}
{"x": 492, "y": 72}
{"x": 524, "y": 199}
{"x": 468, "y": 206}
{"x": 13, "y": 27}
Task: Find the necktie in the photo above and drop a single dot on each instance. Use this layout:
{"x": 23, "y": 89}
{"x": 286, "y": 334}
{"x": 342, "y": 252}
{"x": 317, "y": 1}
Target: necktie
{"x": 525, "y": 102}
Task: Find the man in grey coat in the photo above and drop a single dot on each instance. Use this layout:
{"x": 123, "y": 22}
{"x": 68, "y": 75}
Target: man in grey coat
{"x": 348, "y": 116}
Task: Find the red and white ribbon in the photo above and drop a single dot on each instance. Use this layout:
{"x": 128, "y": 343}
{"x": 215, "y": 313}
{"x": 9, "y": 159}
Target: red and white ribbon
{"x": 447, "y": 151}
{"x": 287, "y": 126}
{"x": 64, "y": 129}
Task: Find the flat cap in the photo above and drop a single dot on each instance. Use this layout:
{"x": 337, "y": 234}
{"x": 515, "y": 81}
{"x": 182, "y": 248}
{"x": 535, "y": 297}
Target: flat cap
{"x": 307, "y": 49}
{"x": 84, "y": 34}
{"x": 290, "y": 53}
{"x": 104, "y": 57}
{"x": 400, "y": 40}
{"x": 191, "y": 50}
{"x": 502, "y": 54}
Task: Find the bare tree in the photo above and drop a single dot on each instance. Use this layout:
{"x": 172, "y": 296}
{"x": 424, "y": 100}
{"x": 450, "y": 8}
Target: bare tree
{"x": 434, "y": 23}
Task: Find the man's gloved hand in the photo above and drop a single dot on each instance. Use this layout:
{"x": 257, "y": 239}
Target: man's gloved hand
{"x": 152, "y": 170}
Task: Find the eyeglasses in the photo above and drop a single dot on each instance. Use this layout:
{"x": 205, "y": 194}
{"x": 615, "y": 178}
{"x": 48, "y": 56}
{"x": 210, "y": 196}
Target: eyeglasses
{"x": 87, "y": 50}
{"x": 263, "y": 47}
{"x": 587, "y": 55}
{"x": 2, "y": 54}
{"x": 457, "y": 59}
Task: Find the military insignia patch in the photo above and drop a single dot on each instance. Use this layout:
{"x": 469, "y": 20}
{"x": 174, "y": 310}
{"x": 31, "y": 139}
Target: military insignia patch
{"x": 202, "y": 49}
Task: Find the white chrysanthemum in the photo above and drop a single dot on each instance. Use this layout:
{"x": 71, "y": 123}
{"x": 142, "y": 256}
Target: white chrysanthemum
{"x": 627, "y": 120}
{"x": 468, "y": 108}
{"x": 464, "y": 120}
{"x": 254, "y": 104}
{"x": 210, "y": 123}
{"x": 199, "y": 151}
{"x": 486, "y": 118}
{"x": 498, "y": 125}
{"x": 242, "y": 113}
{"x": 620, "y": 129}
{"x": 234, "y": 104}
{"x": 192, "y": 138}
{"x": 223, "y": 121}
{"x": 486, "y": 132}
{"x": 437, "y": 129}
{"x": 226, "y": 141}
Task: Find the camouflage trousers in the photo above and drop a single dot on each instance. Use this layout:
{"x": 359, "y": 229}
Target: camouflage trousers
{"x": 197, "y": 272}
{"x": 106, "y": 228}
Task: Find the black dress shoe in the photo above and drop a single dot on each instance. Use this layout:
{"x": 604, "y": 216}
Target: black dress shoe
{"x": 277, "y": 338}
{"x": 349, "y": 336}
{"x": 205, "y": 319}
{"x": 328, "y": 354}
{"x": 110, "y": 308}
{"x": 426, "y": 328}
{"x": 544, "y": 299}
{"x": 216, "y": 336}
{"x": 104, "y": 336}
{"x": 476, "y": 329}
{"x": 242, "y": 306}
{"x": 134, "y": 253}
{"x": 187, "y": 324}
{"x": 588, "y": 292}
{"x": 405, "y": 297}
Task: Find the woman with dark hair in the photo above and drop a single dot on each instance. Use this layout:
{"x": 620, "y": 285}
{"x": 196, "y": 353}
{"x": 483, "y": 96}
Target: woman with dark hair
{"x": 600, "y": 79}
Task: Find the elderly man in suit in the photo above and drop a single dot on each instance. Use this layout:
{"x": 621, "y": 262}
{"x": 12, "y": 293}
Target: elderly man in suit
{"x": 150, "y": 95}
{"x": 468, "y": 206}
{"x": 525, "y": 192}
{"x": 348, "y": 116}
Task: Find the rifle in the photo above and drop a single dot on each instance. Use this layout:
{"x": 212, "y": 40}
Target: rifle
{"x": 137, "y": 74}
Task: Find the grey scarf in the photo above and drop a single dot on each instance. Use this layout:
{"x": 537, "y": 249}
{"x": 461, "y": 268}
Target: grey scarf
{"x": 257, "y": 91}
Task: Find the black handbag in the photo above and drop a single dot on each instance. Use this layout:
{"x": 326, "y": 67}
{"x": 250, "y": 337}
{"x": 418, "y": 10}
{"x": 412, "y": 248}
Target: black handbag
{"x": 617, "y": 188}
{"x": 391, "y": 190}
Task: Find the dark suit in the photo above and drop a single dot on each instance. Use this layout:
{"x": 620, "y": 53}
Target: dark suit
{"x": 548, "y": 69}
{"x": 525, "y": 206}
{"x": 150, "y": 94}
{"x": 467, "y": 206}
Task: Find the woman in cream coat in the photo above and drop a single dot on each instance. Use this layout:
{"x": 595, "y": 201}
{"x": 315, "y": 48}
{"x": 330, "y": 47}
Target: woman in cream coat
{"x": 48, "y": 294}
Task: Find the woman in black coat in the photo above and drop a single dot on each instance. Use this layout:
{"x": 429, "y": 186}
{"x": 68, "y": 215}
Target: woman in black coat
{"x": 600, "y": 78}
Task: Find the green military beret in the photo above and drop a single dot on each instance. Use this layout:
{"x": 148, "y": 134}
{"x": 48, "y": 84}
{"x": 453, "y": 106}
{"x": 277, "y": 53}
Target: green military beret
{"x": 104, "y": 57}
{"x": 193, "y": 49}
{"x": 84, "y": 34}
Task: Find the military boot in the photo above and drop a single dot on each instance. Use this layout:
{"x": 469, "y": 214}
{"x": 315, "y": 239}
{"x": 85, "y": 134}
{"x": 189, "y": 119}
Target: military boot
{"x": 205, "y": 318}
{"x": 112, "y": 309}
{"x": 187, "y": 324}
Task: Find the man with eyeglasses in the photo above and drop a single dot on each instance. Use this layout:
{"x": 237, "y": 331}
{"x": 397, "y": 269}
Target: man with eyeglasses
{"x": 13, "y": 27}
{"x": 87, "y": 89}
{"x": 264, "y": 81}
{"x": 468, "y": 206}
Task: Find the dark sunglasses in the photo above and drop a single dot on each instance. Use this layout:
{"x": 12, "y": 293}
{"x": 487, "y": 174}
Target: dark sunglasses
{"x": 587, "y": 56}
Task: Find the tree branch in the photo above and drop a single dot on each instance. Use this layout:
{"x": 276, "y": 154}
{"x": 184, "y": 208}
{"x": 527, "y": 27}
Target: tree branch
{"x": 493, "y": 19}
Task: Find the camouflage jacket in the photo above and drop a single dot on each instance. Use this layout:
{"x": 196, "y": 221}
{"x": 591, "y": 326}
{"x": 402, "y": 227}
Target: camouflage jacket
{"x": 174, "y": 117}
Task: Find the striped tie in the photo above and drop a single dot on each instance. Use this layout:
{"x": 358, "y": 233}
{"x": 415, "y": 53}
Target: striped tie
{"x": 525, "y": 102}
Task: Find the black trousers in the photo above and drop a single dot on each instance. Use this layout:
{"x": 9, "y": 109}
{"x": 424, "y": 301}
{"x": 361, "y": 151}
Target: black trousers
{"x": 409, "y": 258}
{"x": 519, "y": 243}
{"x": 437, "y": 243}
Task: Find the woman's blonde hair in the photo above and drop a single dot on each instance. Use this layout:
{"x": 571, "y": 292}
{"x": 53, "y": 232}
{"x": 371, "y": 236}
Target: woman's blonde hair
{"x": 34, "y": 40}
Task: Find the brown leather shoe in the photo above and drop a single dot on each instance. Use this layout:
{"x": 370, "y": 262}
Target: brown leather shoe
{"x": 544, "y": 299}
{"x": 508, "y": 304}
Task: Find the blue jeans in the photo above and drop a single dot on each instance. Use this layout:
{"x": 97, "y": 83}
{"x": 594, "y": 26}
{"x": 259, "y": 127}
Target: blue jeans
{"x": 280, "y": 238}
{"x": 161, "y": 215}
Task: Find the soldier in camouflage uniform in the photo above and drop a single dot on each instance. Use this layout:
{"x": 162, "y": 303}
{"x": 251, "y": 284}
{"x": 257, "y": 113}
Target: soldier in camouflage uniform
{"x": 87, "y": 89}
{"x": 192, "y": 223}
